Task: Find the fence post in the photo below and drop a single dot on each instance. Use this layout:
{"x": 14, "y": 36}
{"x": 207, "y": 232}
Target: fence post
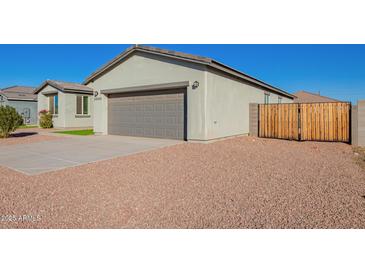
{"x": 361, "y": 123}
{"x": 254, "y": 119}
{"x": 299, "y": 125}
{"x": 354, "y": 129}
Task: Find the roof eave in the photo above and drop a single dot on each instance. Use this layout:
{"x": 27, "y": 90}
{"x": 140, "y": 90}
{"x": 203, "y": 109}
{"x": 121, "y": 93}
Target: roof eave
{"x": 9, "y": 98}
{"x": 237, "y": 73}
{"x": 207, "y": 61}
{"x": 42, "y": 86}
{"x": 108, "y": 65}
{"x": 58, "y": 87}
{"x": 314, "y": 94}
{"x": 131, "y": 50}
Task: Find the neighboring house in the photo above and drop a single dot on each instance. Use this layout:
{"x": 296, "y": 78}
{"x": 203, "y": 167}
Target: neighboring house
{"x": 23, "y": 100}
{"x": 309, "y": 97}
{"x": 151, "y": 92}
{"x": 70, "y": 103}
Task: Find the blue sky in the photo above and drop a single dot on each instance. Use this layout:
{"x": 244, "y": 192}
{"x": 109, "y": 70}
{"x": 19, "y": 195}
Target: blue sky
{"x": 333, "y": 70}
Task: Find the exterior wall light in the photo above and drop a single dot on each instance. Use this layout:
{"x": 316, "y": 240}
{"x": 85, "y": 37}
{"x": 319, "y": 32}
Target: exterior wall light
{"x": 195, "y": 85}
{"x": 96, "y": 94}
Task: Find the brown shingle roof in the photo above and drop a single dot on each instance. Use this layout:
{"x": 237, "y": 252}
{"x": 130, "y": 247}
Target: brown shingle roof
{"x": 64, "y": 86}
{"x": 309, "y": 97}
{"x": 187, "y": 57}
{"x": 21, "y": 93}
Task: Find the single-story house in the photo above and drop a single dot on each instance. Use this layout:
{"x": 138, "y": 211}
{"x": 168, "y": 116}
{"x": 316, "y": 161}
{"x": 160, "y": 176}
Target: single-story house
{"x": 150, "y": 92}
{"x": 310, "y": 97}
{"x": 23, "y": 100}
{"x": 71, "y": 104}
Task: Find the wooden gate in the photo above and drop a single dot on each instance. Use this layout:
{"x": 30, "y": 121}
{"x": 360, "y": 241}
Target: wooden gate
{"x": 310, "y": 122}
{"x": 279, "y": 121}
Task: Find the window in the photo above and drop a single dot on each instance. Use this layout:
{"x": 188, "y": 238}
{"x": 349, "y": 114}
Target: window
{"x": 82, "y": 105}
{"x": 267, "y": 97}
{"x": 78, "y": 104}
{"x": 279, "y": 100}
{"x": 85, "y": 105}
{"x": 53, "y": 104}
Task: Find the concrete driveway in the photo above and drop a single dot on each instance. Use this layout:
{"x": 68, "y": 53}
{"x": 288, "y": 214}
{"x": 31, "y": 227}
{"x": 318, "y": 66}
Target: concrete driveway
{"x": 71, "y": 151}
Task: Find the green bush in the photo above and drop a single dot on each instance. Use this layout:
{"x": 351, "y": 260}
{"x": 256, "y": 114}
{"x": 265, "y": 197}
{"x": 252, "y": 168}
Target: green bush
{"x": 10, "y": 120}
{"x": 45, "y": 120}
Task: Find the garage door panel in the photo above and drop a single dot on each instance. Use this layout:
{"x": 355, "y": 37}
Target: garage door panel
{"x": 159, "y": 107}
{"x": 157, "y": 114}
{"x": 171, "y": 106}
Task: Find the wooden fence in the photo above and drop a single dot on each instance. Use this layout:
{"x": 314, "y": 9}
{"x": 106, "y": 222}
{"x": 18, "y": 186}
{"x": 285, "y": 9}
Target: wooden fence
{"x": 279, "y": 121}
{"x": 311, "y": 122}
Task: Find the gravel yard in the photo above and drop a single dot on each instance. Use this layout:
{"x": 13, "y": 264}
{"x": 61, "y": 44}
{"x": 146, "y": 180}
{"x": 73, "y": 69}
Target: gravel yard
{"x": 241, "y": 182}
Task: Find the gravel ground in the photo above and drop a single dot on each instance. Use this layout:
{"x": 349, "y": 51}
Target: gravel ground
{"x": 237, "y": 183}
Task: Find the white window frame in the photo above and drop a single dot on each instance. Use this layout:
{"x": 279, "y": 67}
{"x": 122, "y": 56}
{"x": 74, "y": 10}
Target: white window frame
{"x": 280, "y": 99}
{"x": 266, "y": 98}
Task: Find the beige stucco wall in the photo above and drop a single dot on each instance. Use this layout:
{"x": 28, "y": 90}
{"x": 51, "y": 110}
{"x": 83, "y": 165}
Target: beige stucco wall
{"x": 228, "y": 102}
{"x": 146, "y": 69}
{"x": 66, "y": 109}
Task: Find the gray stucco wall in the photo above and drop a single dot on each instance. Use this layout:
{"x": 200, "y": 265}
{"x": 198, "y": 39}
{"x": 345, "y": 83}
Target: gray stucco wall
{"x": 71, "y": 118}
{"x": 20, "y": 107}
{"x": 218, "y": 108}
{"x": 59, "y": 120}
{"x": 67, "y": 117}
{"x": 146, "y": 69}
{"x": 228, "y": 102}
{"x": 254, "y": 119}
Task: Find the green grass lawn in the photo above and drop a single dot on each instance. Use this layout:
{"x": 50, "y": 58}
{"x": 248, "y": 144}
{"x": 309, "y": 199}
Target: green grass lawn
{"x": 28, "y": 126}
{"x": 82, "y": 132}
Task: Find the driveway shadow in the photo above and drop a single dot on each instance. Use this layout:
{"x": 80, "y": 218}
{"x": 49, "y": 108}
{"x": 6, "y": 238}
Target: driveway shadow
{"x": 22, "y": 134}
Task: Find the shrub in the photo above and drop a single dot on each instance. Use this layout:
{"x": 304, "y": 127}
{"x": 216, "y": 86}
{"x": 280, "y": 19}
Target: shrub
{"x": 10, "y": 120}
{"x": 45, "y": 120}
{"x": 43, "y": 111}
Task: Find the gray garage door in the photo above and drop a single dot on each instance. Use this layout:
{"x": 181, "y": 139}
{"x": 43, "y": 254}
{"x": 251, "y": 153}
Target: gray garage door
{"x": 158, "y": 114}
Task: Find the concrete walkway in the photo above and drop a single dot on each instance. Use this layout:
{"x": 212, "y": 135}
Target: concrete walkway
{"x": 36, "y": 158}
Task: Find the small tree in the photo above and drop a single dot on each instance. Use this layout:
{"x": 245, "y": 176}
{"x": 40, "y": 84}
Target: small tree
{"x": 10, "y": 120}
{"x": 45, "y": 120}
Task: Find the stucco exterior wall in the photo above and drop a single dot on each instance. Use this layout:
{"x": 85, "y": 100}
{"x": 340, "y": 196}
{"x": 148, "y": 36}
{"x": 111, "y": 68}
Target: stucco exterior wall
{"x": 66, "y": 109}
{"x": 254, "y": 119}
{"x": 20, "y": 106}
{"x": 228, "y": 102}
{"x": 146, "y": 69}
{"x": 43, "y": 103}
{"x": 71, "y": 118}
